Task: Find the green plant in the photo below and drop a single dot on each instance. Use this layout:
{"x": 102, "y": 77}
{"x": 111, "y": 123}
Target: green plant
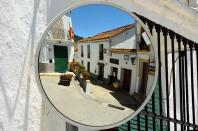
{"x": 80, "y": 69}
{"x": 86, "y": 75}
{"x": 66, "y": 76}
{"x": 73, "y": 65}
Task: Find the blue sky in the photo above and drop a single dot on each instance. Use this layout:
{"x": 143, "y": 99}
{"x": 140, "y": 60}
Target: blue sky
{"x": 93, "y": 19}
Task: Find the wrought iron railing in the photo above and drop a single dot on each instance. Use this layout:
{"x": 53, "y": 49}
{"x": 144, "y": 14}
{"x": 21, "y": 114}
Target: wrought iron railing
{"x": 178, "y": 111}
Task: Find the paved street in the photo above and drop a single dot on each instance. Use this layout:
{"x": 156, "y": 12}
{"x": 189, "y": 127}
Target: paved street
{"x": 83, "y": 108}
{"x": 106, "y": 94}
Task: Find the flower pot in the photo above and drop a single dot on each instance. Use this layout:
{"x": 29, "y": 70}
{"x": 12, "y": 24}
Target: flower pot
{"x": 64, "y": 82}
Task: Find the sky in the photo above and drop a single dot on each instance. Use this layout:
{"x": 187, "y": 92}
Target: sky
{"x": 93, "y": 19}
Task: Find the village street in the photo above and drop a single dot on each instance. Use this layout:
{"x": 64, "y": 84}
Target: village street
{"x": 106, "y": 94}
{"x": 81, "y": 107}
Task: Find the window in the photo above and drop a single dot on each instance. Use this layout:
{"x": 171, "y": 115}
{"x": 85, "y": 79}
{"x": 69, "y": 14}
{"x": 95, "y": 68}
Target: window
{"x": 82, "y": 62}
{"x": 88, "y": 66}
{"x": 114, "y": 61}
{"x": 88, "y": 51}
{"x": 105, "y": 51}
{"x": 82, "y": 54}
{"x": 50, "y": 61}
{"x": 126, "y": 57}
{"x": 101, "y": 55}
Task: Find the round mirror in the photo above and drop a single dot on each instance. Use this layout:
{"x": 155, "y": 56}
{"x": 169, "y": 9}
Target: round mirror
{"x": 97, "y": 66}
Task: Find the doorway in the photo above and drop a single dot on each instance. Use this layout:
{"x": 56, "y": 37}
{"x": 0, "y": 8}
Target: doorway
{"x": 61, "y": 58}
{"x": 127, "y": 79}
{"x": 100, "y": 72}
{"x": 114, "y": 75}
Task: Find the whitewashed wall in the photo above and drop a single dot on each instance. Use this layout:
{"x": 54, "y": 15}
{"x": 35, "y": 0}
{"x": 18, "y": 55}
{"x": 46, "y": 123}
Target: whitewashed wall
{"x": 67, "y": 22}
{"x": 46, "y": 55}
{"x": 21, "y": 25}
{"x": 125, "y": 40}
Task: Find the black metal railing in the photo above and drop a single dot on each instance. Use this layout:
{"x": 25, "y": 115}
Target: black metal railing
{"x": 177, "y": 78}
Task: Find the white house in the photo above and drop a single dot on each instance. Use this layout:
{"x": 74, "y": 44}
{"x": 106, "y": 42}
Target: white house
{"x": 57, "y": 50}
{"x": 113, "y": 55}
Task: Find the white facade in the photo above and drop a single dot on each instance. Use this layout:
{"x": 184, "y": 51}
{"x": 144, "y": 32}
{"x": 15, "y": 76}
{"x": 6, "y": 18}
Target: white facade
{"x": 124, "y": 40}
{"x": 47, "y": 57}
{"x": 58, "y": 35}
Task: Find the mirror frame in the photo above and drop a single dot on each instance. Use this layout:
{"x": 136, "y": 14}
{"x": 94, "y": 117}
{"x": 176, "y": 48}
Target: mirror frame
{"x": 36, "y": 64}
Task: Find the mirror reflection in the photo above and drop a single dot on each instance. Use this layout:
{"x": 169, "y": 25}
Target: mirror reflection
{"x": 99, "y": 79}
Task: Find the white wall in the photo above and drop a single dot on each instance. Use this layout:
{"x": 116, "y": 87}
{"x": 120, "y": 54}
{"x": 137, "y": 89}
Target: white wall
{"x": 170, "y": 79}
{"x": 125, "y": 40}
{"x": 52, "y": 121}
{"x": 177, "y": 87}
{"x": 94, "y": 55}
{"x": 46, "y": 55}
{"x": 21, "y": 26}
{"x": 67, "y": 23}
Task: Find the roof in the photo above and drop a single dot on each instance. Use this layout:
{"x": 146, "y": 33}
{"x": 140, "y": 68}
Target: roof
{"x": 122, "y": 51}
{"x": 108, "y": 34}
{"x": 58, "y": 30}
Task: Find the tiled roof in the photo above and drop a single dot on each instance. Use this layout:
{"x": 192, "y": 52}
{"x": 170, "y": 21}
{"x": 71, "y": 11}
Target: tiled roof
{"x": 58, "y": 30}
{"x": 108, "y": 34}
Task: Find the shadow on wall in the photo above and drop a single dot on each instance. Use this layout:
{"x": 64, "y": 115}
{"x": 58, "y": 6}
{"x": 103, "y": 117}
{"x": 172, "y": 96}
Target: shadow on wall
{"x": 26, "y": 72}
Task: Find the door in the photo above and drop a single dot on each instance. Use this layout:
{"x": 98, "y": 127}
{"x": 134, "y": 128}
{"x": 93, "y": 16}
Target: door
{"x": 114, "y": 75}
{"x": 127, "y": 79}
{"x": 100, "y": 72}
{"x": 61, "y": 58}
{"x": 115, "y": 72}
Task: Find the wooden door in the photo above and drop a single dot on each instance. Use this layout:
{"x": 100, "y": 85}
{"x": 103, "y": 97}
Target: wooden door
{"x": 127, "y": 79}
{"x": 100, "y": 72}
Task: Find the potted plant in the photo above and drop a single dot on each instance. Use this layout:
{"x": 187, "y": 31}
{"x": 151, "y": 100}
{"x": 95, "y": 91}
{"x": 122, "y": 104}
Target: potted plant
{"x": 85, "y": 75}
{"x": 73, "y": 65}
{"x": 80, "y": 70}
{"x": 65, "y": 79}
{"x": 116, "y": 85}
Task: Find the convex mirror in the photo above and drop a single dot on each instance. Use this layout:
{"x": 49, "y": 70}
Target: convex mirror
{"x": 96, "y": 68}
